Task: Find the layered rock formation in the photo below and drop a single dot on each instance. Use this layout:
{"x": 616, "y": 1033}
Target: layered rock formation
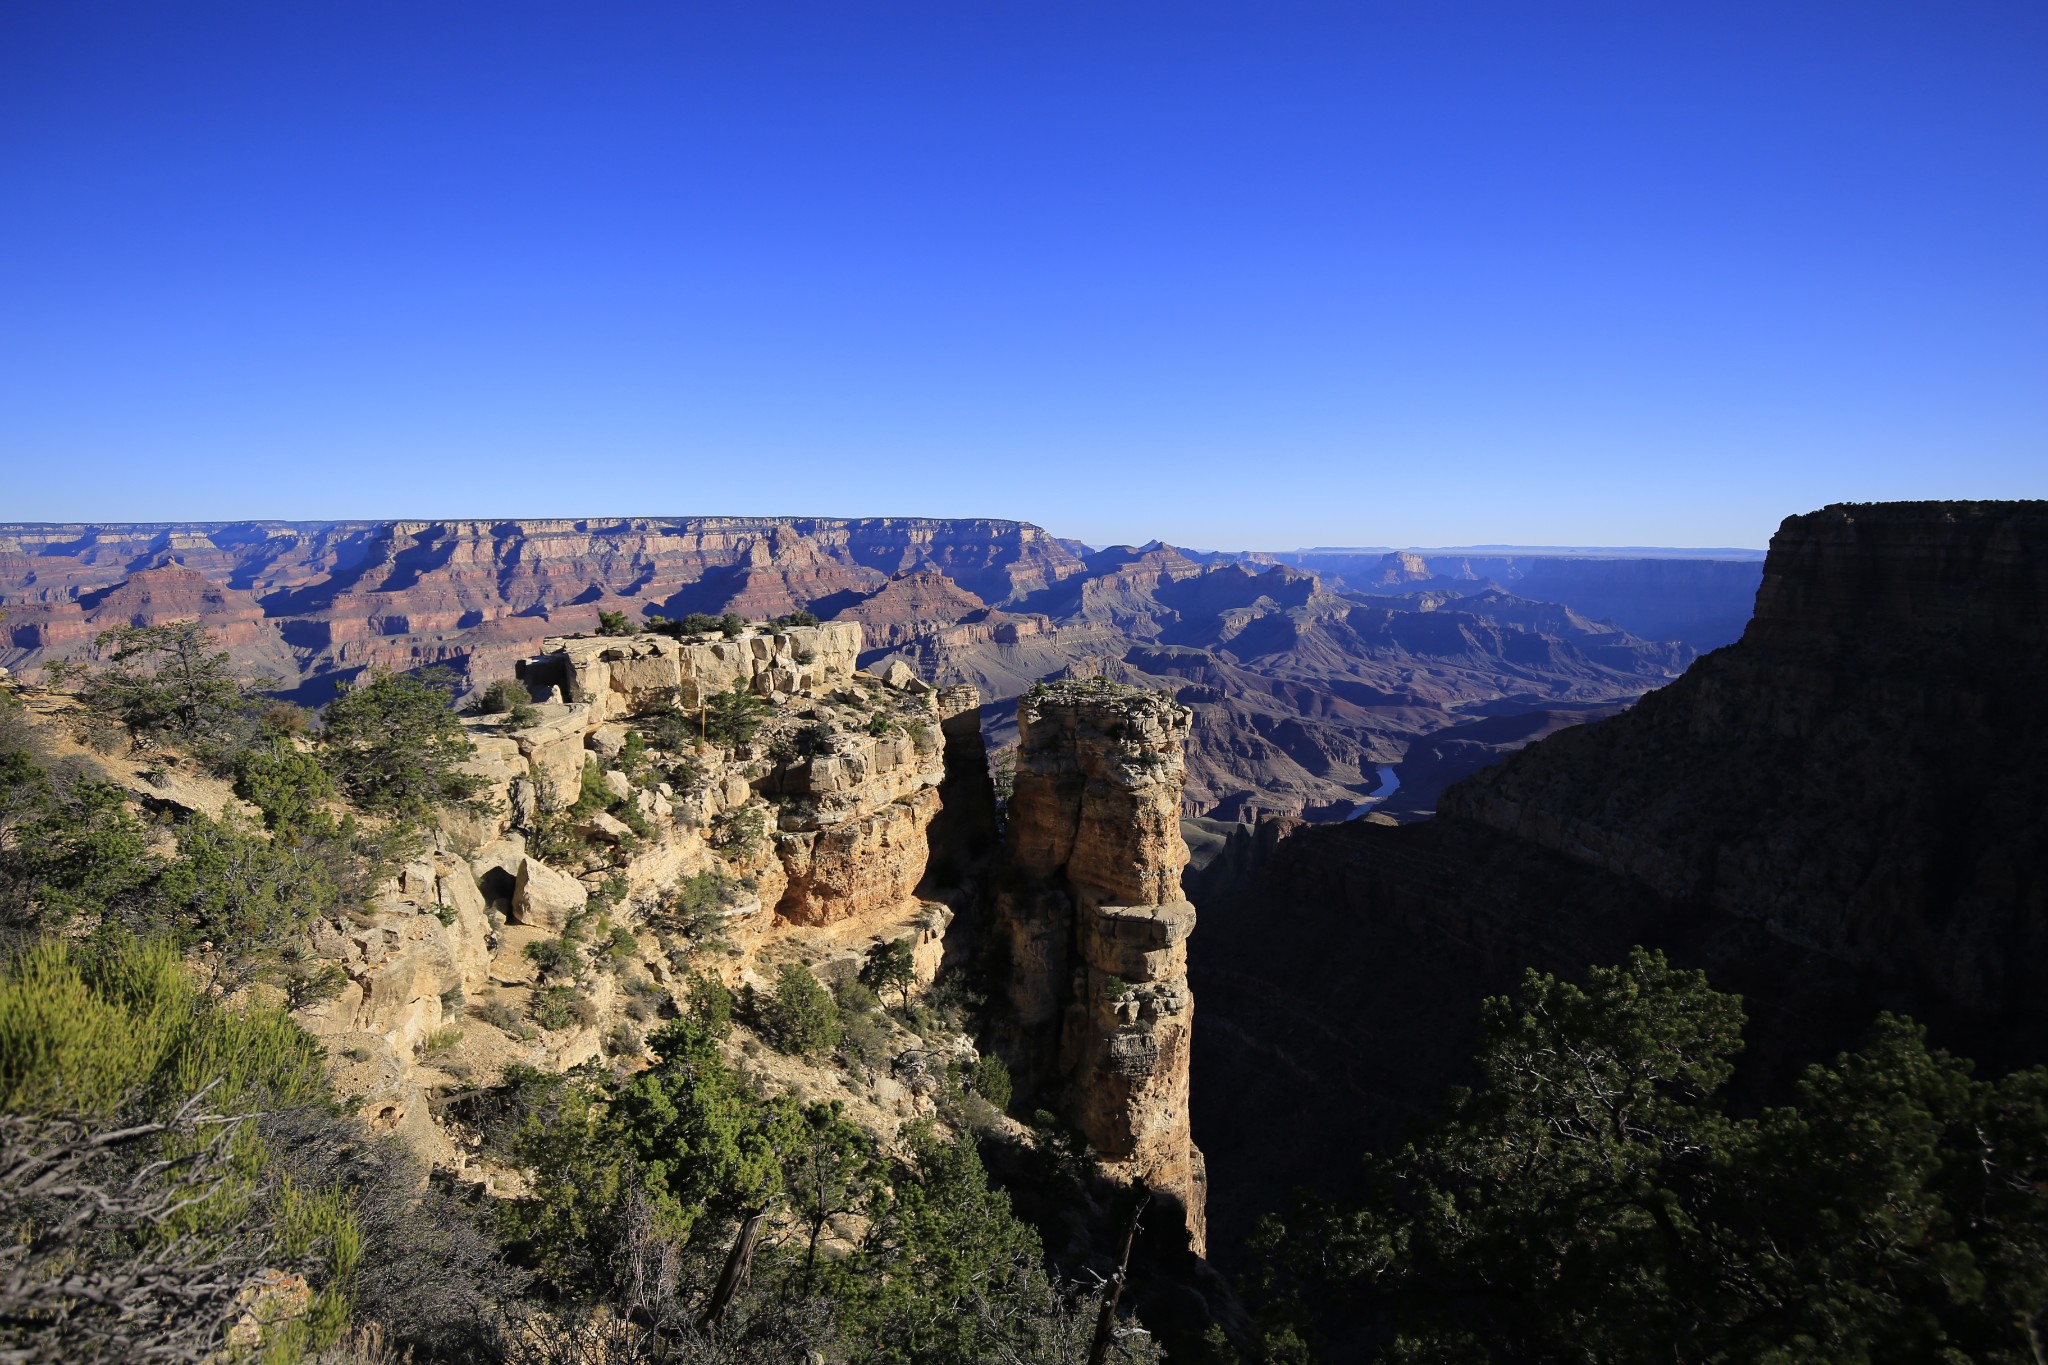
{"x": 336, "y": 597}
{"x": 1300, "y": 694}
{"x": 1099, "y": 1017}
{"x": 843, "y": 780}
{"x": 1699, "y": 600}
{"x": 1845, "y": 811}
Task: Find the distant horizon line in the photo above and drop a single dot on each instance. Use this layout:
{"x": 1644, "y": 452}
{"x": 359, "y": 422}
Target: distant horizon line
{"x": 1490, "y": 549}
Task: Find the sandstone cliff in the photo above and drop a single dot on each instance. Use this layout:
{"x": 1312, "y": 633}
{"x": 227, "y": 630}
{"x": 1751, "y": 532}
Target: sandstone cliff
{"x": 844, "y": 778}
{"x": 1099, "y": 1017}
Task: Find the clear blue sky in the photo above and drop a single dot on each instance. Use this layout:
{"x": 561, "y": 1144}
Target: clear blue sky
{"x": 1242, "y": 275}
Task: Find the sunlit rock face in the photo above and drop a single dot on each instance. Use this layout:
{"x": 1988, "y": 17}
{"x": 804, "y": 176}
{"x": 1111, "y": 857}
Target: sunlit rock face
{"x": 1100, "y": 1016}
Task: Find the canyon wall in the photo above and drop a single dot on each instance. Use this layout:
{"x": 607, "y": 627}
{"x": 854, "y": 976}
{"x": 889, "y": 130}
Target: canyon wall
{"x": 1099, "y": 1016}
{"x": 1843, "y": 812}
{"x": 1700, "y": 601}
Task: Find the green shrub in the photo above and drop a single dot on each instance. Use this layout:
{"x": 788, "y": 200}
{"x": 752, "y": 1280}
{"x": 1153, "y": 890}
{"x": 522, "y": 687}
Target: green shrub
{"x": 710, "y": 1003}
{"x": 855, "y": 997}
{"x": 672, "y": 727}
{"x": 440, "y": 1040}
{"x": 732, "y": 625}
{"x": 991, "y": 1080}
{"x": 799, "y": 1015}
{"x": 394, "y": 745}
{"x": 509, "y": 699}
{"x": 701, "y": 900}
{"x": 141, "y": 1252}
{"x": 554, "y": 1007}
{"x": 288, "y": 786}
{"x": 614, "y": 623}
{"x": 732, "y": 717}
{"x": 739, "y": 833}
{"x": 555, "y": 957}
{"x": 880, "y": 724}
{"x": 795, "y": 618}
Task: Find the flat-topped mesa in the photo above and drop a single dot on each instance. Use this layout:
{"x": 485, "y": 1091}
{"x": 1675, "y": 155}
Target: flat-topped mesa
{"x": 624, "y": 675}
{"x": 1100, "y": 1014}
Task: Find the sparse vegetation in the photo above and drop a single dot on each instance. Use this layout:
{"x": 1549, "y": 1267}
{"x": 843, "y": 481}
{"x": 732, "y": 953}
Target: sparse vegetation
{"x": 991, "y": 1080}
{"x": 710, "y": 1003}
{"x": 740, "y": 832}
{"x": 732, "y": 718}
{"x": 557, "y": 1007}
{"x": 614, "y": 623}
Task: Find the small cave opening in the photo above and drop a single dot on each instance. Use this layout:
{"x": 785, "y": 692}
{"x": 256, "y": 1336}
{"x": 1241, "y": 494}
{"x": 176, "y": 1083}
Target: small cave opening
{"x": 497, "y": 885}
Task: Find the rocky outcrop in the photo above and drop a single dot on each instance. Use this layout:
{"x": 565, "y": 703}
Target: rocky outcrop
{"x": 624, "y": 677}
{"x": 1099, "y": 1015}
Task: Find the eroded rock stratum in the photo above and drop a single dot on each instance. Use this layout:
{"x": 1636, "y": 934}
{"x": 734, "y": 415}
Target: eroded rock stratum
{"x": 1099, "y": 1016}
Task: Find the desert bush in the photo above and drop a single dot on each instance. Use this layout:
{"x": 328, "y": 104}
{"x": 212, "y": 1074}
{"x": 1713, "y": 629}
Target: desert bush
{"x": 732, "y": 717}
{"x": 508, "y": 698}
{"x": 710, "y": 1003}
{"x": 554, "y": 1007}
{"x": 614, "y": 623}
{"x": 288, "y": 785}
{"x": 141, "y": 1194}
{"x": 556, "y": 958}
{"x": 991, "y": 1080}
{"x": 799, "y": 1016}
{"x": 732, "y": 625}
{"x": 499, "y": 1014}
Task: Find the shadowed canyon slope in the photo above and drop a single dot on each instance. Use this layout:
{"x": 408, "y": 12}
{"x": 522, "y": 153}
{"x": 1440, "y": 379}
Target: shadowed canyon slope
{"x": 1299, "y": 693}
{"x": 1843, "y": 812}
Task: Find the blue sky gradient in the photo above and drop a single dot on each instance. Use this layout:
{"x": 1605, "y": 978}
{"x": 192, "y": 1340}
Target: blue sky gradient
{"x": 1233, "y": 275}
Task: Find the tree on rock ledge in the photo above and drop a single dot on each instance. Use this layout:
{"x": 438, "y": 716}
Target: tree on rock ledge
{"x": 395, "y": 745}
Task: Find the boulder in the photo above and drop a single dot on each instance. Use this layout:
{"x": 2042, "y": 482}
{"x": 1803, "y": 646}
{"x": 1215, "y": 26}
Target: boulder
{"x": 546, "y": 898}
{"x": 607, "y": 741}
{"x": 897, "y": 674}
{"x": 609, "y": 828}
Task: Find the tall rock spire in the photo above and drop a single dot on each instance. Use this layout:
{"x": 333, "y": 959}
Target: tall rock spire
{"x": 1100, "y": 1014}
